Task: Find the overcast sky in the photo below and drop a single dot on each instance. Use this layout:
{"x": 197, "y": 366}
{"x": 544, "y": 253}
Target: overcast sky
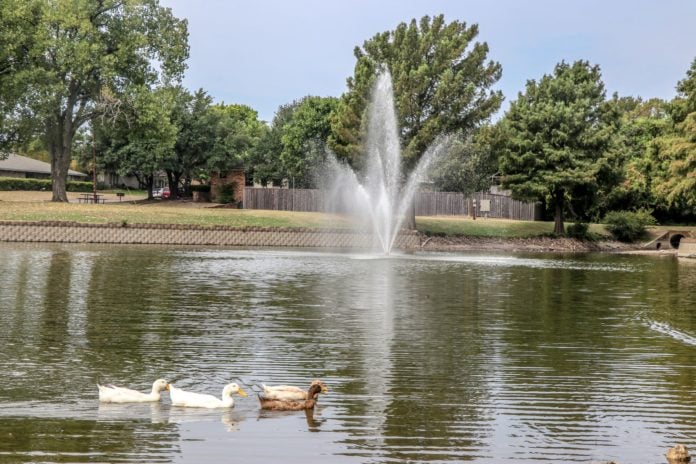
{"x": 265, "y": 53}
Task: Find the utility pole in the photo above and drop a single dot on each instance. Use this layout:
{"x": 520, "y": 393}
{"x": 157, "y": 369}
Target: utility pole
{"x": 94, "y": 169}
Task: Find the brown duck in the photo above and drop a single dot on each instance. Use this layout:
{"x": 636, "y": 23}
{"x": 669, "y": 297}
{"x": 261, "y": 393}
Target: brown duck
{"x": 290, "y": 404}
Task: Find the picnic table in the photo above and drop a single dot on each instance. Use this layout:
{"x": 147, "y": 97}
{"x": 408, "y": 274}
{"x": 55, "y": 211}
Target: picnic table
{"x": 91, "y": 198}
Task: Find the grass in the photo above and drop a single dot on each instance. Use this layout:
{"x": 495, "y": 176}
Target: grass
{"x": 36, "y": 206}
{"x": 490, "y": 227}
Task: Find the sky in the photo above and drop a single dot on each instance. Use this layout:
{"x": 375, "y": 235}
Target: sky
{"x": 266, "y": 53}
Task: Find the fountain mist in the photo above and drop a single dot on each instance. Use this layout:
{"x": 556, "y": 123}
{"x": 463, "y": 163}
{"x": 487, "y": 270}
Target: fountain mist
{"x": 381, "y": 197}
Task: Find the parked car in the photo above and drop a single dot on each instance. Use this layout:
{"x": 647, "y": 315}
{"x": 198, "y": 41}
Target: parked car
{"x": 161, "y": 192}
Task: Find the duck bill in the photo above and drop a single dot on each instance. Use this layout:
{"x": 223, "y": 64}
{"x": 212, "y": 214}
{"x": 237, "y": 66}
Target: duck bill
{"x": 242, "y": 392}
{"x": 168, "y": 387}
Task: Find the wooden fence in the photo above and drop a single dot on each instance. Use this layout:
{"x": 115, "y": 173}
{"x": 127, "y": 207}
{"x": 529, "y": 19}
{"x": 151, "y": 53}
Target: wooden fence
{"x": 426, "y": 203}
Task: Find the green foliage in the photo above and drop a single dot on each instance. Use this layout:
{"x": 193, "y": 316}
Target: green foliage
{"x": 578, "y": 230}
{"x": 304, "y": 139}
{"x": 555, "y": 137}
{"x": 441, "y": 83}
{"x": 470, "y": 163}
{"x": 674, "y": 153}
{"x": 72, "y": 60}
{"x": 627, "y": 178}
{"x": 265, "y": 164}
{"x": 226, "y": 194}
{"x": 237, "y": 131}
{"x": 21, "y": 183}
{"x": 142, "y": 137}
{"x": 628, "y": 226}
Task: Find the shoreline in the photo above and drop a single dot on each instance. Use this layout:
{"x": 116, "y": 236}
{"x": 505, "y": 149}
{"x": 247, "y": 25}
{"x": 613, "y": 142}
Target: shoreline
{"x": 180, "y": 234}
{"x": 536, "y": 245}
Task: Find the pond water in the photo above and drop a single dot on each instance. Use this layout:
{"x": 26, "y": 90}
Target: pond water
{"x": 429, "y": 357}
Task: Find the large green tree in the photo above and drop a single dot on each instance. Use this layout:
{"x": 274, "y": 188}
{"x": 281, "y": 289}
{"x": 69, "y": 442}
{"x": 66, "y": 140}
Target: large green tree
{"x": 18, "y": 19}
{"x": 555, "y": 137}
{"x": 78, "y": 58}
{"x": 196, "y": 132}
{"x": 442, "y": 83}
{"x": 470, "y": 163}
{"x": 304, "y": 139}
{"x": 140, "y": 140}
{"x": 675, "y": 152}
{"x": 628, "y": 180}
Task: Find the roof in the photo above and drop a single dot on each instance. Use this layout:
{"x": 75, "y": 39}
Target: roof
{"x": 21, "y": 163}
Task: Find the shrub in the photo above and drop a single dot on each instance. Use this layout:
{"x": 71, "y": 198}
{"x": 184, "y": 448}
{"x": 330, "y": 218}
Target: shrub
{"x": 22, "y": 183}
{"x": 226, "y": 194}
{"x": 579, "y": 230}
{"x": 628, "y": 226}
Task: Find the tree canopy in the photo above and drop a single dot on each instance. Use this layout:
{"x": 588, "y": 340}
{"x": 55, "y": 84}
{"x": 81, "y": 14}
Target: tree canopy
{"x": 675, "y": 152}
{"x": 555, "y": 135}
{"x": 442, "y": 83}
{"x": 75, "y": 59}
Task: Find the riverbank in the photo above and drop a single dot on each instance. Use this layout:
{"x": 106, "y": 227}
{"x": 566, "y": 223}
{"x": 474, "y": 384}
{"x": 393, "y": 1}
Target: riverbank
{"x": 535, "y": 244}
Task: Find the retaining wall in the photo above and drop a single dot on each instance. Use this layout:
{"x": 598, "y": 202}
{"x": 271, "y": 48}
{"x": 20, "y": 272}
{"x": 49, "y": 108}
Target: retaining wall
{"x": 166, "y": 234}
{"x": 687, "y": 248}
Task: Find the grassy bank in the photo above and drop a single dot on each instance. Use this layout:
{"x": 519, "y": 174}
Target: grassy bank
{"x": 36, "y": 206}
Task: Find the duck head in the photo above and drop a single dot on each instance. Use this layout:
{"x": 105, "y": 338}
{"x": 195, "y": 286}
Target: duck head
{"x": 231, "y": 389}
{"x": 160, "y": 385}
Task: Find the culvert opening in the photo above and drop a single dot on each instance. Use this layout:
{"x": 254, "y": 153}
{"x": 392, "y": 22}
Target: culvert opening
{"x": 675, "y": 239}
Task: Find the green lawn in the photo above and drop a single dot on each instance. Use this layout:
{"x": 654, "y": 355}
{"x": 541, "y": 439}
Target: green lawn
{"x": 35, "y": 206}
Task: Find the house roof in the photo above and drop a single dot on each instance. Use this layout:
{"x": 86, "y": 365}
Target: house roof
{"x": 21, "y": 163}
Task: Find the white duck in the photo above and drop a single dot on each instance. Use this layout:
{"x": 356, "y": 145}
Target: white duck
{"x": 289, "y": 392}
{"x": 113, "y": 394}
{"x": 199, "y": 400}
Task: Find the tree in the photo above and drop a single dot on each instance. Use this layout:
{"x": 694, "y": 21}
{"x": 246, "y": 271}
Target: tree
{"x": 304, "y": 139}
{"x": 142, "y": 138}
{"x": 196, "y": 132}
{"x": 628, "y": 177}
{"x": 555, "y": 136}
{"x": 470, "y": 163}
{"x": 675, "y": 152}
{"x": 237, "y": 132}
{"x": 80, "y": 56}
{"x": 265, "y": 163}
{"x": 441, "y": 83}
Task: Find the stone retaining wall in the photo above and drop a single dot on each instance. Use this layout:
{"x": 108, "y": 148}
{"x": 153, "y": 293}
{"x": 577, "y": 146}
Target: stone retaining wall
{"x": 166, "y": 234}
{"x": 687, "y": 248}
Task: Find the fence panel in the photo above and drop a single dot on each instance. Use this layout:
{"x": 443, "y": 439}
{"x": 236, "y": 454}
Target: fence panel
{"x": 426, "y": 203}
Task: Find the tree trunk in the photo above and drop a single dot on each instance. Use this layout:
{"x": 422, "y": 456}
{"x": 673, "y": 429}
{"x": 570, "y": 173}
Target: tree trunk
{"x": 411, "y": 216}
{"x": 149, "y": 184}
{"x": 558, "y": 226}
{"x": 173, "y": 177}
{"x": 60, "y": 148}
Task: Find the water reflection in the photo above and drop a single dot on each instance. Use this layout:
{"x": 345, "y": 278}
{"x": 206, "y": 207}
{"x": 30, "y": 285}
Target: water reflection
{"x": 428, "y": 358}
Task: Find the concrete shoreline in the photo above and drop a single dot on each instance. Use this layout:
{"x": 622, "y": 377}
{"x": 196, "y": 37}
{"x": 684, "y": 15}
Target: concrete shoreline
{"x": 179, "y": 234}
{"x": 187, "y": 234}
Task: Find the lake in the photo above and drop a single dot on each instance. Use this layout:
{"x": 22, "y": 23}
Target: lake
{"x": 477, "y": 357}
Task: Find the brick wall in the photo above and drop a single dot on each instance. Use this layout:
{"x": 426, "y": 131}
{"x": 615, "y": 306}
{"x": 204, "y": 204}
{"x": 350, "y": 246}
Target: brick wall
{"x": 236, "y": 178}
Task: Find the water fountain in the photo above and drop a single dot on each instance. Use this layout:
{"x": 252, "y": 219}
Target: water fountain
{"x": 382, "y": 195}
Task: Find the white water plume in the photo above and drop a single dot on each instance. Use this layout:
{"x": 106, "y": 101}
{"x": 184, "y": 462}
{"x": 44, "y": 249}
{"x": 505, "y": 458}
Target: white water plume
{"x": 380, "y": 197}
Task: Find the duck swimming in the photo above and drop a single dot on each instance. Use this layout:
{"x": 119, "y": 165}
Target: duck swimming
{"x": 113, "y": 394}
{"x": 199, "y": 400}
{"x": 289, "y": 392}
{"x": 312, "y": 396}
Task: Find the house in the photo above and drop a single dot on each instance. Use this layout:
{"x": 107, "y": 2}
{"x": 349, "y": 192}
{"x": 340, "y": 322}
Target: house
{"x": 21, "y": 166}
